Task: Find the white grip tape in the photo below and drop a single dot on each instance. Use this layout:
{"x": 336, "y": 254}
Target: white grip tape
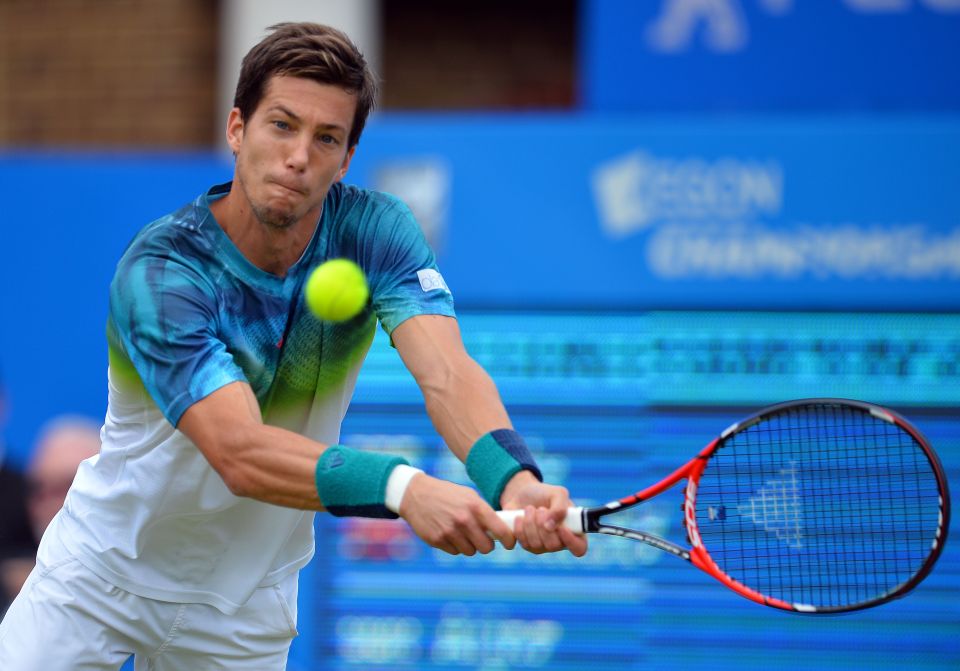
{"x": 573, "y": 520}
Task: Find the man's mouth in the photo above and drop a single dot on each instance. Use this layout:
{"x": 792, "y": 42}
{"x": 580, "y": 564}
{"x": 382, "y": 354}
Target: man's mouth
{"x": 288, "y": 187}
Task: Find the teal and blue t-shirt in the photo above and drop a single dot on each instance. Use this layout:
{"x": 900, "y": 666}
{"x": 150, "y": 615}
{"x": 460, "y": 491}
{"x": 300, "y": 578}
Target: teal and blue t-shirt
{"x": 189, "y": 314}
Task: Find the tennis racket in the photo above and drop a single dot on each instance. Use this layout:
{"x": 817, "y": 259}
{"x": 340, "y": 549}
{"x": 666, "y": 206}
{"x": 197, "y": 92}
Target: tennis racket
{"x": 812, "y": 506}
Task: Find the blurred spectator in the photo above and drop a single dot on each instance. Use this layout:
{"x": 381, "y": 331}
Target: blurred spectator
{"x": 16, "y": 539}
{"x": 63, "y": 444}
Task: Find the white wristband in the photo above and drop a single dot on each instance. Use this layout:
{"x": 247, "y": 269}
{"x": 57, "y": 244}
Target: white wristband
{"x": 397, "y": 485}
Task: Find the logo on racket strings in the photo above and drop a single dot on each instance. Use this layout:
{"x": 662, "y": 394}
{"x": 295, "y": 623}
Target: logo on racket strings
{"x": 775, "y": 507}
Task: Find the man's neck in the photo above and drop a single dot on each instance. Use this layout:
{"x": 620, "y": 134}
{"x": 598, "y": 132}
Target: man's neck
{"x": 271, "y": 249}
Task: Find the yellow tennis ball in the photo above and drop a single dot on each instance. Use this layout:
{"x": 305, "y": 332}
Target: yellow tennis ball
{"x": 336, "y": 290}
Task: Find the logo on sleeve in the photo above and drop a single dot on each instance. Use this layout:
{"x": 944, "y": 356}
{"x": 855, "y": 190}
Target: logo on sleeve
{"x": 431, "y": 280}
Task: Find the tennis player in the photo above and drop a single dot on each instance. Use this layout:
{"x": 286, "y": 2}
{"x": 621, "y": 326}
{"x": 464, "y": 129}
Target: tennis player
{"x": 181, "y": 542}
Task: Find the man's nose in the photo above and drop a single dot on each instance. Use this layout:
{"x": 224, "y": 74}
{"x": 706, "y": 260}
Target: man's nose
{"x": 299, "y": 154}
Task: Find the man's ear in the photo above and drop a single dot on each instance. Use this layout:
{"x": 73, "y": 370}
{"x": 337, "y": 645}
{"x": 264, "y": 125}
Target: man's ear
{"x": 235, "y": 130}
{"x": 346, "y": 163}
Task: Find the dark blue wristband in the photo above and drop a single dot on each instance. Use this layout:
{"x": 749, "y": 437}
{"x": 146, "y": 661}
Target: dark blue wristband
{"x": 497, "y": 457}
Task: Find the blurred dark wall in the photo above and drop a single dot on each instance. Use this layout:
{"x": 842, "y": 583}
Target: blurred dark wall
{"x": 496, "y": 54}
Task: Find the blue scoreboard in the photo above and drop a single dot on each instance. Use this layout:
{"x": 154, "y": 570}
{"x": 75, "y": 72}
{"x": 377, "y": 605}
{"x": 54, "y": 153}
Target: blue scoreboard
{"x": 612, "y": 402}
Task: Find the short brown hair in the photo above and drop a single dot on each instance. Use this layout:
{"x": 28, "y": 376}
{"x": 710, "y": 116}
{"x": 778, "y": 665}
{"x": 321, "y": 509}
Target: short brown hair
{"x": 312, "y": 51}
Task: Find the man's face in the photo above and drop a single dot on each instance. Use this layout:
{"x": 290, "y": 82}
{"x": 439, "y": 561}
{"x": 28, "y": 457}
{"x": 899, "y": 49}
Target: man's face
{"x": 292, "y": 148}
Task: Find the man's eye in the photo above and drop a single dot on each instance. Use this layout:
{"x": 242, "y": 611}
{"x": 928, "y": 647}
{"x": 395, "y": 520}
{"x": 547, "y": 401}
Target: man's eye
{"x": 282, "y": 125}
{"x": 327, "y": 139}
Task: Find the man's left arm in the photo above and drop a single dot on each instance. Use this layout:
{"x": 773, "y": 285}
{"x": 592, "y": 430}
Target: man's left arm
{"x": 465, "y": 407}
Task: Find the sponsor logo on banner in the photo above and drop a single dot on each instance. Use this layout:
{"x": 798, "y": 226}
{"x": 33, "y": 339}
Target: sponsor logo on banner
{"x": 723, "y": 218}
{"x": 638, "y": 190}
{"x": 424, "y": 185}
{"x": 722, "y": 25}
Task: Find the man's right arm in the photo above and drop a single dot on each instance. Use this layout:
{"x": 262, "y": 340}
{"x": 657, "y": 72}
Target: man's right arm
{"x": 278, "y": 466}
{"x": 254, "y": 459}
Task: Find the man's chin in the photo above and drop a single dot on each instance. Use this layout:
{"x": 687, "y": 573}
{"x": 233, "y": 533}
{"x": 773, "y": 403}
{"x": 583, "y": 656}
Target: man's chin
{"x": 276, "y": 218}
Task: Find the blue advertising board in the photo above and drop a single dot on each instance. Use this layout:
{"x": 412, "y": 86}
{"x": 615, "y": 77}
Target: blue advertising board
{"x": 770, "y": 55}
{"x": 616, "y": 212}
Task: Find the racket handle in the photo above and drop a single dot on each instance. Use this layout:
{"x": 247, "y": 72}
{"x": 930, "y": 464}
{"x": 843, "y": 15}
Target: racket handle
{"x": 573, "y": 520}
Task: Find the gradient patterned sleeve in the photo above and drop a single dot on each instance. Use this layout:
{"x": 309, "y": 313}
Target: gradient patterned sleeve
{"x": 405, "y": 281}
{"x": 163, "y": 317}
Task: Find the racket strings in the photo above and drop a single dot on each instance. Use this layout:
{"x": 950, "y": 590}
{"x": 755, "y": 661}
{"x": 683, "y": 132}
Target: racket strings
{"x": 824, "y": 505}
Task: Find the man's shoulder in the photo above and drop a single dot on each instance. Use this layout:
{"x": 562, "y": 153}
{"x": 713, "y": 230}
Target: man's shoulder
{"x": 175, "y": 250}
{"x": 185, "y": 222}
{"x": 181, "y": 233}
{"x": 350, "y": 198}
{"x": 355, "y": 214}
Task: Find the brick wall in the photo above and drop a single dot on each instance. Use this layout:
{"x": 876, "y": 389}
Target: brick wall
{"x": 113, "y": 73}
{"x": 107, "y": 73}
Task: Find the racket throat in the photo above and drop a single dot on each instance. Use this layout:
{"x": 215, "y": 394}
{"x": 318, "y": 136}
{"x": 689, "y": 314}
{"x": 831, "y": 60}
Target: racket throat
{"x": 649, "y": 539}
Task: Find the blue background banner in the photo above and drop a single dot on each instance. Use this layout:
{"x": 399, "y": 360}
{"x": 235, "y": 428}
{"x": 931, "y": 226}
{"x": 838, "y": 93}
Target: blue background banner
{"x": 633, "y": 286}
{"x": 544, "y": 212}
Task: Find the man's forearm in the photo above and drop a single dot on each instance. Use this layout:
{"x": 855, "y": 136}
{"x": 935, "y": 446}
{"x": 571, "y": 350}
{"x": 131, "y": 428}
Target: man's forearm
{"x": 464, "y": 407}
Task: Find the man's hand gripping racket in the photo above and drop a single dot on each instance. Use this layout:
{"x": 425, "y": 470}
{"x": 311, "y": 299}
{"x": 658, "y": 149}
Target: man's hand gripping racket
{"x": 815, "y": 506}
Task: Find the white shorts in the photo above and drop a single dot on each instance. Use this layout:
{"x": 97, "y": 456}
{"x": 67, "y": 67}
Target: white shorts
{"x": 67, "y": 619}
